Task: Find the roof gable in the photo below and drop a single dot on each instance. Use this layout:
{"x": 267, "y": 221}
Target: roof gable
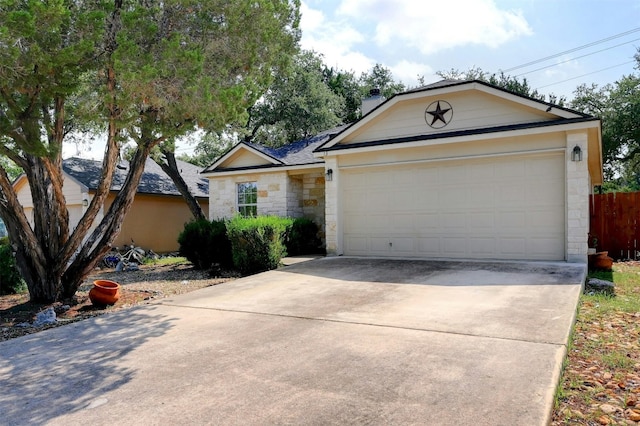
{"x": 446, "y": 108}
{"x": 245, "y": 155}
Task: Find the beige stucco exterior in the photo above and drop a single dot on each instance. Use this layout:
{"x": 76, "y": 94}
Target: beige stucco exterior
{"x": 153, "y": 222}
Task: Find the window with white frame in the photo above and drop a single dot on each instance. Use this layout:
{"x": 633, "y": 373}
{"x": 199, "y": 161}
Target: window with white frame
{"x": 248, "y": 198}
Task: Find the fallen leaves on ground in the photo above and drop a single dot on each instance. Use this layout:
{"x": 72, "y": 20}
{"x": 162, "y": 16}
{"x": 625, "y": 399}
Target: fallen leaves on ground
{"x": 601, "y": 380}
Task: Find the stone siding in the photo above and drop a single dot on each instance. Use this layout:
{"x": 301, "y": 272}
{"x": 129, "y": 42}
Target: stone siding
{"x": 578, "y": 188}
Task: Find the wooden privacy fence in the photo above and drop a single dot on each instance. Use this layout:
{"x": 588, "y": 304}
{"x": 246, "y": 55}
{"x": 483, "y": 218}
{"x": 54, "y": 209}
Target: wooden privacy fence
{"x": 615, "y": 222}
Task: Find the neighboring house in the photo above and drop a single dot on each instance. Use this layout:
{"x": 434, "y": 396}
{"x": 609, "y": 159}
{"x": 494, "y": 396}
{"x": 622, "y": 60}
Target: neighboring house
{"x": 158, "y": 212}
{"x": 455, "y": 170}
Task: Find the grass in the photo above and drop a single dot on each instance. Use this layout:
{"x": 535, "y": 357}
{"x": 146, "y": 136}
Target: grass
{"x": 603, "y": 361}
{"x": 164, "y": 261}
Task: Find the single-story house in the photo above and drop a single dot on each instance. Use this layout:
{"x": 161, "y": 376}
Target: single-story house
{"x": 158, "y": 213}
{"x": 455, "y": 170}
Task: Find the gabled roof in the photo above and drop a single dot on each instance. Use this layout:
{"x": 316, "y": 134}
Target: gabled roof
{"x": 153, "y": 180}
{"x": 556, "y": 114}
{"x": 298, "y": 153}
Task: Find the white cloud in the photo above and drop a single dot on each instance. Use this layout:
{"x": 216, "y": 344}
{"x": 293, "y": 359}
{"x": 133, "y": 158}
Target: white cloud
{"x": 334, "y": 39}
{"x": 408, "y": 72}
{"x": 435, "y": 26}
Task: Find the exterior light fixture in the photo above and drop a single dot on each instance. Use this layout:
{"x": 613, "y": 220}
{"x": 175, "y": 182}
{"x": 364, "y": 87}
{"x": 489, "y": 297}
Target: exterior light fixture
{"x": 85, "y": 202}
{"x": 329, "y": 175}
{"x": 576, "y": 154}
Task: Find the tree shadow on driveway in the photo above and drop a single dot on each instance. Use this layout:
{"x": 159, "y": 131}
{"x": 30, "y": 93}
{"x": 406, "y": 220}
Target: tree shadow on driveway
{"x": 64, "y": 369}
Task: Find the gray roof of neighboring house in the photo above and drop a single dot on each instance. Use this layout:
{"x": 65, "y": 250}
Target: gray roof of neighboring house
{"x": 153, "y": 180}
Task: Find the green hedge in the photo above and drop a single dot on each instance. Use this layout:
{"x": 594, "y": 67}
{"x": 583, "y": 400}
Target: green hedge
{"x": 302, "y": 238}
{"x": 11, "y": 281}
{"x": 205, "y": 243}
{"x": 257, "y": 243}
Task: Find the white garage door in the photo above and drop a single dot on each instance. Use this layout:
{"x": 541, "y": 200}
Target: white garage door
{"x": 498, "y": 208}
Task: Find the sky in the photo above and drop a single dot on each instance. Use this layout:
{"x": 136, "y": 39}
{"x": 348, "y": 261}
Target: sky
{"x": 421, "y": 37}
{"x": 412, "y": 37}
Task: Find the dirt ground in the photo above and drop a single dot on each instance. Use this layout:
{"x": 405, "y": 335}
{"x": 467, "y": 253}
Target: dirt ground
{"x": 137, "y": 287}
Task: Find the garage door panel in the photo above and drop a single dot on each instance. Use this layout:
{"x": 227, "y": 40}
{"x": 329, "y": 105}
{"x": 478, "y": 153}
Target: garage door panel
{"x": 512, "y": 220}
{"x": 482, "y": 247}
{"x": 512, "y": 248}
{"x": 428, "y": 246}
{"x": 500, "y": 208}
{"x": 482, "y": 221}
{"x": 452, "y": 246}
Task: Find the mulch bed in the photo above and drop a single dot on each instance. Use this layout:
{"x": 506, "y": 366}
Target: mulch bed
{"x": 137, "y": 287}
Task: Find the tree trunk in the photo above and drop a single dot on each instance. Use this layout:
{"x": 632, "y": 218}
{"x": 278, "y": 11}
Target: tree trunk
{"x": 171, "y": 169}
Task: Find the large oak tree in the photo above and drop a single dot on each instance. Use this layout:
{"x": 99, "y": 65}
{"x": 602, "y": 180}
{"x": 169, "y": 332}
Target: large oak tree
{"x": 143, "y": 70}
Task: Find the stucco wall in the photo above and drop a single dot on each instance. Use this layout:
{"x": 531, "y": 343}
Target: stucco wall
{"x": 154, "y": 222}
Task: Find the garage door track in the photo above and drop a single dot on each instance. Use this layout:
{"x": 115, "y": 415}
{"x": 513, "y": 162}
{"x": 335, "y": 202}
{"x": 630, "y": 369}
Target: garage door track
{"x": 331, "y": 341}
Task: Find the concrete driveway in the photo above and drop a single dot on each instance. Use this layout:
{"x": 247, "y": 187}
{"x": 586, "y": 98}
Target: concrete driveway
{"x": 331, "y": 341}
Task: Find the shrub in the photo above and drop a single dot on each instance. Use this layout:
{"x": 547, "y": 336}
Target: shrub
{"x": 11, "y": 281}
{"x": 302, "y": 238}
{"x": 257, "y": 243}
{"x": 204, "y": 243}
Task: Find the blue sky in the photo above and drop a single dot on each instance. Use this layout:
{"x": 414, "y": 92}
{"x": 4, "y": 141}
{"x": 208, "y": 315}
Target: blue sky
{"x": 413, "y": 37}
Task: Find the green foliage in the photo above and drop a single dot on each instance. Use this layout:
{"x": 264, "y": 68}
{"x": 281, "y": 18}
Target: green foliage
{"x": 507, "y": 82}
{"x": 618, "y": 105}
{"x": 302, "y": 238}
{"x": 257, "y": 242}
{"x": 381, "y": 78}
{"x": 205, "y": 243}
{"x": 298, "y": 104}
{"x": 11, "y": 281}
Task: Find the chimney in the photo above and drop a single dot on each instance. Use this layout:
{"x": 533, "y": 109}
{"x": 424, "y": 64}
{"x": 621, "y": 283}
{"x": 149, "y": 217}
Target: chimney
{"x": 374, "y": 99}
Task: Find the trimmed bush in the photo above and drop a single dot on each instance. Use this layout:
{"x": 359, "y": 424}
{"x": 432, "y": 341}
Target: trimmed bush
{"x": 11, "y": 281}
{"x": 257, "y": 243}
{"x": 302, "y": 238}
{"x": 205, "y": 243}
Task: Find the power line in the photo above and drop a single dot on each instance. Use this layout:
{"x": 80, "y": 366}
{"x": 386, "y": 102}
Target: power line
{"x": 584, "y": 75}
{"x": 577, "y": 57}
{"x": 575, "y": 49}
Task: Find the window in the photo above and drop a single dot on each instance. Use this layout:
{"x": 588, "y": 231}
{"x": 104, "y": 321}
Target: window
{"x": 248, "y": 199}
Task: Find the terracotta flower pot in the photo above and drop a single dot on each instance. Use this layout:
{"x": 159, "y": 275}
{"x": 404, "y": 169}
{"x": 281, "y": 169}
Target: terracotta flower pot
{"x": 104, "y": 292}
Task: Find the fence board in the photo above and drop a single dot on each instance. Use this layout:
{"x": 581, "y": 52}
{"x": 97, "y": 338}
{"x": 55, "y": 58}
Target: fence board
{"x": 615, "y": 223}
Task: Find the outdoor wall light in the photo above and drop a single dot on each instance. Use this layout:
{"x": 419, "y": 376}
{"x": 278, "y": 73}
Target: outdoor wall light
{"x": 85, "y": 202}
{"x": 329, "y": 175}
{"x": 576, "y": 154}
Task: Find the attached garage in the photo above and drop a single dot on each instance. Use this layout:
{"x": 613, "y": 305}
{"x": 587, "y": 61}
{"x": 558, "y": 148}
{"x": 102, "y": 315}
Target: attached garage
{"x": 509, "y": 207}
{"x": 462, "y": 170}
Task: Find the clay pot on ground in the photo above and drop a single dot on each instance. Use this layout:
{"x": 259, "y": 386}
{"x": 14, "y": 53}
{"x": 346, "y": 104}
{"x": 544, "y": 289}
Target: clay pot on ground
{"x": 104, "y": 292}
{"x": 600, "y": 261}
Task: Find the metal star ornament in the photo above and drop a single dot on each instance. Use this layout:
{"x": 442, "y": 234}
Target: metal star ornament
{"x": 438, "y": 114}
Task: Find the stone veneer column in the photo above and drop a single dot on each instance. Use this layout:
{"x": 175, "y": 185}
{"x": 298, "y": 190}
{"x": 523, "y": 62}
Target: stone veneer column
{"x": 578, "y": 189}
{"x": 333, "y": 231}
